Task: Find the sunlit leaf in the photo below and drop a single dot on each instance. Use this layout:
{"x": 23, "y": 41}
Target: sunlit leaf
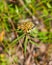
{"x": 45, "y": 12}
{"x": 49, "y": 6}
{"x": 28, "y": 1}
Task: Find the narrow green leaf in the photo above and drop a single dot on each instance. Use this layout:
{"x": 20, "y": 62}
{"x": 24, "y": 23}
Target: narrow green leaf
{"x": 25, "y": 44}
{"x": 49, "y": 6}
{"x": 32, "y": 42}
{"x": 17, "y": 39}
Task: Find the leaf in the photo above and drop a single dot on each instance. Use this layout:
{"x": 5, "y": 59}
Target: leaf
{"x": 33, "y": 32}
{"x": 45, "y": 12}
{"x": 28, "y": 1}
{"x": 17, "y": 39}
{"x": 6, "y": 27}
{"x": 49, "y": 6}
{"x": 25, "y": 44}
{"x": 32, "y": 42}
{"x": 17, "y": 10}
{"x": 49, "y": 19}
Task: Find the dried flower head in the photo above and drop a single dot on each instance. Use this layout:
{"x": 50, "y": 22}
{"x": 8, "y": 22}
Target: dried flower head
{"x": 25, "y": 26}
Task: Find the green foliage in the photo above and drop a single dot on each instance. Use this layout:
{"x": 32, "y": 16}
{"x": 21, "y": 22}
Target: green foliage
{"x": 43, "y": 36}
{"x": 25, "y": 44}
{"x": 10, "y": 14}
{"x": 33, "y": 32}
{"x": 33, "y": 43}
{"x": 14, "y": 42}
